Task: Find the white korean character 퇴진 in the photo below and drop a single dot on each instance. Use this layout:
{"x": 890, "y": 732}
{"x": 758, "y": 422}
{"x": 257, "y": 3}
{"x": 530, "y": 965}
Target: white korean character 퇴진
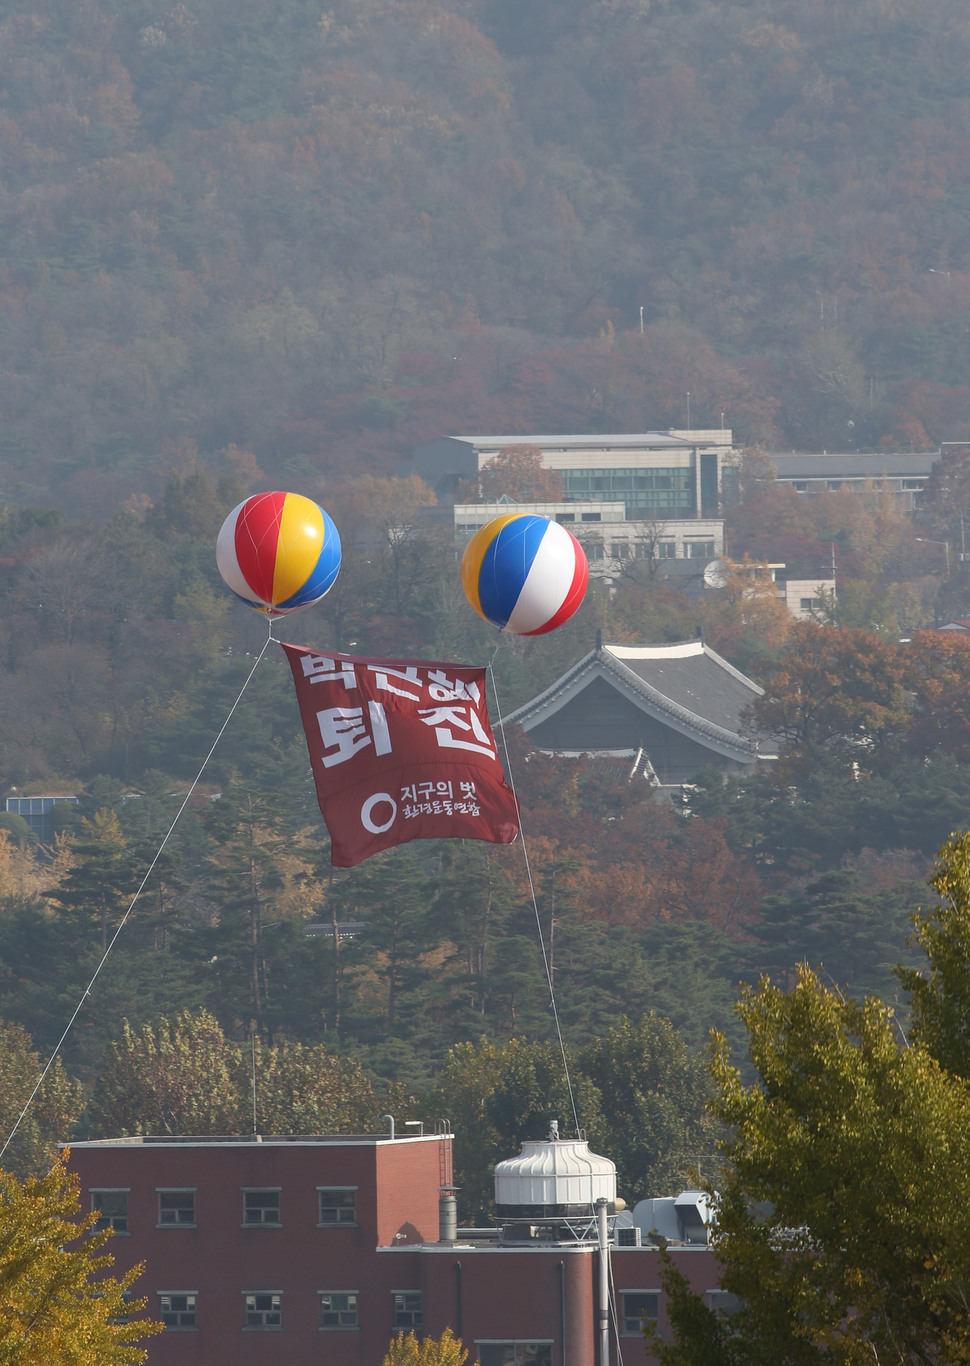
{"x": 344, "y": 730}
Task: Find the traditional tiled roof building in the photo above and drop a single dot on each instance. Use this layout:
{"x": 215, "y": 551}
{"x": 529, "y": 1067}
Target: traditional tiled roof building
{"x": 681, "y": 707}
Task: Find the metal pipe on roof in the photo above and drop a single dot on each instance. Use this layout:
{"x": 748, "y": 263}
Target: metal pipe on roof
{"x": 602, "y": 1231}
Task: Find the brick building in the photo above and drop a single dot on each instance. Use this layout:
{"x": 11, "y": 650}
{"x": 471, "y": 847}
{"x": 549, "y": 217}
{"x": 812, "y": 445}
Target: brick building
{"x": 311, "y": 1250}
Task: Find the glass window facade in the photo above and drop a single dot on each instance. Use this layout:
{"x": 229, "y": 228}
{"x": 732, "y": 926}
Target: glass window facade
{"x": 645, "y": 492}
{"x": 637, "y": 1306}
{"x": 407, "y": 1308}
{"x": 338, "y": 1309}
{"x": 177, "y": 1310}
{"x": 176, "y": 1208}
{"x": 514, "y": 1353}
{"x": 338, "y": 1205}
{"x": 261, "y": 1207}
{"x": 263, "y": 1310}
{"x": 112, "y": 1207}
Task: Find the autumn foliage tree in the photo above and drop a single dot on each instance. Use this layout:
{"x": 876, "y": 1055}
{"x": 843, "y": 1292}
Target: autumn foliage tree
{"x": 52, "y": 1113}
{"x": 938, "y": 664}
{"x": 60, "y": 1306}
{"x": 839, "y": 1209}
{"x": 940, "y": 993}
{"x": 517, "y": 472}
{"x": 185, "y": 1077}
{"x": 839, "y": 694}
{"x": 838, "y": 1220}
{"x": 406, "y": 1349}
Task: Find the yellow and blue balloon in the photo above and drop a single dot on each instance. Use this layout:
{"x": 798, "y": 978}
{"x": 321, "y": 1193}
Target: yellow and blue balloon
{"x": 524, "y": 573}
{"x": 278, "y": 552}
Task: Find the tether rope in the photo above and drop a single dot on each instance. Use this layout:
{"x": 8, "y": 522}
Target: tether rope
{"x": 535, "y": 904}
{"x": 141, "y": 888}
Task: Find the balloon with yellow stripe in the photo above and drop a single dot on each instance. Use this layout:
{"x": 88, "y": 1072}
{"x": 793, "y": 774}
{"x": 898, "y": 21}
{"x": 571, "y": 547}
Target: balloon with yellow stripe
{"x": 278, "y": 552}
{"x": 524, "y": 573}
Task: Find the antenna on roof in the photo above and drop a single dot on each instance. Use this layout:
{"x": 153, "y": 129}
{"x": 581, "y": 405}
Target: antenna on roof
{"x": 599, "y": 637}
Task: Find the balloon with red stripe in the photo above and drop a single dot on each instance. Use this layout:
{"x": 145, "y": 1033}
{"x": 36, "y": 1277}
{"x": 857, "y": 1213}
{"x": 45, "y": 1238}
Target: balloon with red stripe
{"x": 278, "y": 552}
{"x": 524, "y": 573}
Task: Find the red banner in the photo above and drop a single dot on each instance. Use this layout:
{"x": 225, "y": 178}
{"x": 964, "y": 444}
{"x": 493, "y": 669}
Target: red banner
{"x": 401, "y": 749}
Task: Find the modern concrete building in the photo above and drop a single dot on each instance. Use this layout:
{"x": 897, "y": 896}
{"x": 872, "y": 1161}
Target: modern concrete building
{"x": 305, "y": 1250}
{"x": 675, "y": 474}
{"x": 805, "y": 598}
{"x": 38, "y": 813}
{"x": 904, "y": 473}
{"x": 607, "y": 535}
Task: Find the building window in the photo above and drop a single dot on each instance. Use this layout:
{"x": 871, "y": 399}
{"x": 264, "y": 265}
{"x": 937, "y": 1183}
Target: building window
{"x": 592, "y": 517}
{"x": 261, "y": 1207}
{"x": 594, "y": 550}
{"x": 176, "y": 1209}
{"x": 176, "y": 1308}
{"x": 514, "y": 1353}
{"x": 620, "y": 550}
{"x": 800, "y": 486}
{"x": 699, "y": 550}
{"x": 666, "y": 550}
{"x": 407, "y": 1308}
{"x": 126, "y": 1298}
{"x": 565, "y": 517}
{"x": 338, "y": 1204}
{"x": 637, "y": 1306}
{"x": 338, "y": 1308}
{"x": 112, "y": 1207}
{"x": 263, "y": 1309}
{"x": 807, "y": 604}
{"x": 723, "y": 1302}
{"x": 644, "y": 491}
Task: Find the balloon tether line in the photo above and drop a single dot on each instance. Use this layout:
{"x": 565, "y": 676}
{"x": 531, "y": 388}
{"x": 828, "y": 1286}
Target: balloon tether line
{"x": 535, "y": 906}
{"x": 141, "y": 888}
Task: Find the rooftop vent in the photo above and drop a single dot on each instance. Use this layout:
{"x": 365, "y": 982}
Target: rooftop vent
{"x": 680, "y": 1219}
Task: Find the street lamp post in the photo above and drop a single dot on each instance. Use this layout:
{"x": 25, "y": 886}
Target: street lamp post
{"x": 925, "y": 540}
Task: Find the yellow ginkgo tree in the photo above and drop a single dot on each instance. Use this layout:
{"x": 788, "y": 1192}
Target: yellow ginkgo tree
{"x": 408, "y": 1350}
{"x": 59, "y": 1304}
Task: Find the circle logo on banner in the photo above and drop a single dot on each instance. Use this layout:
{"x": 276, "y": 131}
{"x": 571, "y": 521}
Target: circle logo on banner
{"x": 367, "y": 813}
{"x": 524, "y": 573}
{"x": 278, "y": 552}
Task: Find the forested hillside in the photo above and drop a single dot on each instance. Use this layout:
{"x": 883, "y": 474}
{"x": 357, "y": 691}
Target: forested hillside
{"x": 322, "y": 232}
{"x": 122, "y": 655}
{"x": 249, "y": 245}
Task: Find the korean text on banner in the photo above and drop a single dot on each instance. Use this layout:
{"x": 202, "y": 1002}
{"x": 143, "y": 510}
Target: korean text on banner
{"x": 401, "y": 749}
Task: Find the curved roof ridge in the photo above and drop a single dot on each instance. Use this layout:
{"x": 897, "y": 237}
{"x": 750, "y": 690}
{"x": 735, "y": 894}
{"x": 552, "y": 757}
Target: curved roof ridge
{"x": 674, "y": 649}
{"x": 609, "y": 661}
{"x": 685, "y": 715}
{"x": 553, "y": 689}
